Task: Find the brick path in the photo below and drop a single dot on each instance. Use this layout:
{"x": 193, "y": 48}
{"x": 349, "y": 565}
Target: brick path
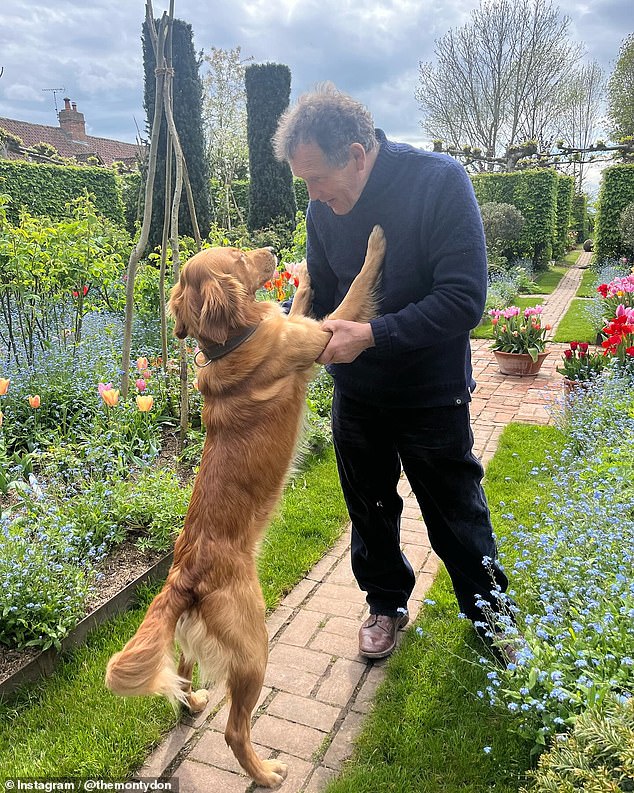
{"x": 317, "y": 688}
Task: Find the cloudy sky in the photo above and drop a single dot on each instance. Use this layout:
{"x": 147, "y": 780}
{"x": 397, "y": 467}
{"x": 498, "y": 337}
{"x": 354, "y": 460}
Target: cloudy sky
{"x": 91, "y": 50}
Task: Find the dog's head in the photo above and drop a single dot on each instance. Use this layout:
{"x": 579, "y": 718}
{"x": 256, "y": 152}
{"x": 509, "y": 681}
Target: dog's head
{"x": 215, "y": 294}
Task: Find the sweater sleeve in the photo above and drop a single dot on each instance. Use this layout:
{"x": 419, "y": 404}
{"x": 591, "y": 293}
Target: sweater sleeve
{"x": 321, "y": 275}
{"x": 453, "y": 236}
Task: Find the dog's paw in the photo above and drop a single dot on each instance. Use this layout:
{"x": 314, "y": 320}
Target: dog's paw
{"x": 274, "y": 773}
{"x": 197, "y": 700}
{"x": 302, "y": 274}
{"x": 376, "y": 243}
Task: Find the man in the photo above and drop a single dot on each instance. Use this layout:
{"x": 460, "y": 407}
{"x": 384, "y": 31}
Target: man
{"x": 402, "y": 381}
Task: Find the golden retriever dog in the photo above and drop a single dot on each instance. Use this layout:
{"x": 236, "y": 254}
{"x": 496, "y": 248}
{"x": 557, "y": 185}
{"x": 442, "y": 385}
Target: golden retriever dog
{"x": 257, "y": 364}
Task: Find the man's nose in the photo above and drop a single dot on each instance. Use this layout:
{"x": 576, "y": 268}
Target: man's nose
{"x": 313, "y": 193}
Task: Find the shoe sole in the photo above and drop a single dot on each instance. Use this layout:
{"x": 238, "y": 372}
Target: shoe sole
{"x": 385, "y": 653}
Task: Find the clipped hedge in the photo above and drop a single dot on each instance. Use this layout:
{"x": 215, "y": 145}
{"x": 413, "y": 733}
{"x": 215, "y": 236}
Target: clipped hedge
{"x": 240, "y": 190}
{"x": 45, "y": 189}
{"x": 534, "y": 193}
{"x": 580, "y": 216}
{"x": 565, "y": 190}
{"x": 615, "y": 193}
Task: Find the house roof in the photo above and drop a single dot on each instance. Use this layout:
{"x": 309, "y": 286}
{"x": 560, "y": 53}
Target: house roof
{"x": 105, "y": 149}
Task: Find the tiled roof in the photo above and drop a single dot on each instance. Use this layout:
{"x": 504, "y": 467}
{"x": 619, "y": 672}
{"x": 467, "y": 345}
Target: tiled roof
{"x": 105, "y": 149}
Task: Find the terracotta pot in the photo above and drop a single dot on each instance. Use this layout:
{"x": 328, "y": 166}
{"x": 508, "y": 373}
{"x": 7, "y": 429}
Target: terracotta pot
{"x": 575, "y": 386}
{"x": 519, "y": 364}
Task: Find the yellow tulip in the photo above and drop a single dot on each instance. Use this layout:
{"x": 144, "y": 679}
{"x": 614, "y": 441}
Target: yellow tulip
{"x": 4, "y": 385}
{"x": 144, "y": 403}
{"x": 1, "y": 417}
{"x": 34, "y": 401}
{"x": 195, "y": 383}
{"x": 110, "y": 396}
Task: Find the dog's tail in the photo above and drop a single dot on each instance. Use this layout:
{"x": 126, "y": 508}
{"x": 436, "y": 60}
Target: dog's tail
{"x": 146, "y": 664}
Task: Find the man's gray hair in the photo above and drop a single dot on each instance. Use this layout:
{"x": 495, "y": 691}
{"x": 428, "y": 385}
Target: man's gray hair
{"x": 331, "y": 119}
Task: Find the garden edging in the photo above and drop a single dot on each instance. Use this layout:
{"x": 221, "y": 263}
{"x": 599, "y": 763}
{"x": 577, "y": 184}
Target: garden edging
{"x": 43, "y": 664}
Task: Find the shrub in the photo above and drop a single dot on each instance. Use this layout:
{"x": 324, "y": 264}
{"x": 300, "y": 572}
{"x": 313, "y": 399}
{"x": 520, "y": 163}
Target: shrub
{"x": 502, "y": 222}
{"x": 598, "y": 755}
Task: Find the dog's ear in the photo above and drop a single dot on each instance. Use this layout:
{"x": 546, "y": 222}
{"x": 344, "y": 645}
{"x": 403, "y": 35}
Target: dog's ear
{"x": 224, "y": 308}
{"x": 177, "y": 310}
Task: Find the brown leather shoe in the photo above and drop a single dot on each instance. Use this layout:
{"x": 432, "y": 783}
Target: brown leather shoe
{"x": 377, "y": 636}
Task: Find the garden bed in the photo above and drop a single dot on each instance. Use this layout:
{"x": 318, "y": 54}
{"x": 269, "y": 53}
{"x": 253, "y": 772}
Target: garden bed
{"x": 123, "y": 572}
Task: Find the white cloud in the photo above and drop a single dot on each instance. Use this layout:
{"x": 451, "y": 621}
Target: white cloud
{"x": 370, "y": 48}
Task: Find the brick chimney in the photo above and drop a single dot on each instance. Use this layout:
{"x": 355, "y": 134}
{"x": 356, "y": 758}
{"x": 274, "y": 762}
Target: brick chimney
{"x": 72, "y": 121}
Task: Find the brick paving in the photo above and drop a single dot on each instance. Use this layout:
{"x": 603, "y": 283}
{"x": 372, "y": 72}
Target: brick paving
{"x": 318, "y": 689}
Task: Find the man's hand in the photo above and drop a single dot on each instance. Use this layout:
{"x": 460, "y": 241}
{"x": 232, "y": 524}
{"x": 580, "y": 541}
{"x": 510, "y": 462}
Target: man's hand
{"x": 349, "y": 339}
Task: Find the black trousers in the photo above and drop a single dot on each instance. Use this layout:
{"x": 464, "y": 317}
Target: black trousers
{"x": 434, "y": 447}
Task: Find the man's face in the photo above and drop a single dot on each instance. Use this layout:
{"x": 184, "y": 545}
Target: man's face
{"x": 340, "y": 188}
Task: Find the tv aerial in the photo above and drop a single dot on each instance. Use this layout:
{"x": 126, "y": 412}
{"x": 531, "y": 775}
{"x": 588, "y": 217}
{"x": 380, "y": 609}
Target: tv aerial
{"x": 55, "y": 91}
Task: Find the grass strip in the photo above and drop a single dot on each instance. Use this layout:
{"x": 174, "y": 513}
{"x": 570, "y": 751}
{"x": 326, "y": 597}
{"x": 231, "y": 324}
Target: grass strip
{"x": 576, "y": 324}
{"x": 69, "y": 725}
{"x": 588, "y": 285}
{"x": 429, "y": 732}
{"x": 548, "y": 280}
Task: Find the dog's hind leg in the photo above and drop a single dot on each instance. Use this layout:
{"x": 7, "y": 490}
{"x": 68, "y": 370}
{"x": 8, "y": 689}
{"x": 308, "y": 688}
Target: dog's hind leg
{"x": 196, "y": 700}
{"x": 245, "y": 685}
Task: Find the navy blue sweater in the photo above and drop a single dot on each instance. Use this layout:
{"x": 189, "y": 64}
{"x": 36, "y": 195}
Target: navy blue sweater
{"x": 434, "y": 277}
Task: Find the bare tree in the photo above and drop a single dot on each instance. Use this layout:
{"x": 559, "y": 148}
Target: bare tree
{"x": 497, "y": 81}
{"x": 580, "y": 118}
{"x": 225, "y": 125}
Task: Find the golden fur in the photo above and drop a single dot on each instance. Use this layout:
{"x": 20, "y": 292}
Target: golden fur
{"x": 211, "y": 603}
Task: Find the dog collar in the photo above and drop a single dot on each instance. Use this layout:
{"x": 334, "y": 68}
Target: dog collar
{"x": 217, "y": 351}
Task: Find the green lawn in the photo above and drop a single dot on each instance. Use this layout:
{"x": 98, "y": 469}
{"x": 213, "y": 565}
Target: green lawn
{"x": 70, "y": 725}
{"x": 576, "y": 324}
{"x": 428, "y": 730}
{"x": 588, "y": 285}
{"x": 547, "y": 281}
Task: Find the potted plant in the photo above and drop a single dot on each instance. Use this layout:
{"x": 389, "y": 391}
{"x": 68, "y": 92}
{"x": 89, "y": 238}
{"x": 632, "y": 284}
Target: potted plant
{"x": 519, "y": 339}
{"x": 618, "y": 343}
{"x": 580, "y": 365}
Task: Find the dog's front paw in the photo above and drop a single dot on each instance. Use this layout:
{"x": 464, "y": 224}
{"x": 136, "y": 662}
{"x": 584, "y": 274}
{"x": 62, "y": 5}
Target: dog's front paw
{"x": 376, "y": 242}
{"x": 302, "y": 275}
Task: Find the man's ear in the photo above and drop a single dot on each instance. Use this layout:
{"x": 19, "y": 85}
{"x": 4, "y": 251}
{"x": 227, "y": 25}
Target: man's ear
{"x": 359, "y": 155}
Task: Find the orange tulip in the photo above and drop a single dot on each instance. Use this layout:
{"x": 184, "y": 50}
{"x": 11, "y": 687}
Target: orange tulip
{"x": 34, "y": 401}
{"x": 110, "y": 396}
{"x": 4, "y": 385}
{"x": 144, "y": 403}
{"x": 141, "y": 363}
